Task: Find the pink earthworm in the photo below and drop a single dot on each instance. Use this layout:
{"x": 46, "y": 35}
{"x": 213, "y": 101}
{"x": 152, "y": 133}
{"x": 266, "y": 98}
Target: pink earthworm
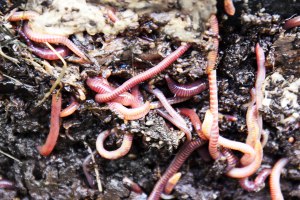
{"x": 184, "y": 152}
{"x": 112, "y": 16}
{"x": 6, "y": 184}
{"x": 291, "y": 23}
{"x": 186, "y": 90}
{"x": 57, "y": 39}
{"x": 132, "y": 185}
{"x": 45, "y": 53}
{"x": 229, "y": 7}
{"x": 232, "y": 160}
{"x": 70, "y": 109}
{"x": 176, "y": 123}
{"x": 22, "y": 15}
{"x": 172, "y": 100}
{"x": 48, "y": 147}
{"x": 129, "y": 113}
{"x": 136, "y": 93}
{"x": 258, "y": 183}
{"x": 172, "y": 183}
{"x": 145, "y": 75}
{"x": 190, "y": 113}
{"x": 120, "y": 152}
{"x": 275, "y": 190}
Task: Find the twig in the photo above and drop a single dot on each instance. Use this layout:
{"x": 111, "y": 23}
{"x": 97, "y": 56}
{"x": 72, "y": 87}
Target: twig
{"x": 10, "y": 156}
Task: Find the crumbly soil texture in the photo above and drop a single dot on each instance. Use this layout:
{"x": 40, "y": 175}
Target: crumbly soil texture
{"x": 24, "y": 124}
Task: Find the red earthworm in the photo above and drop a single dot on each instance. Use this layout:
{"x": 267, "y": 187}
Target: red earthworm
{"x": 186, "y": 90}
{"x": 291, "y": 23}
{"x": 176, "y": 123}
{"x": 213, "y": 90}
{"x": 184, "y": 152}
{"x": 229, "y": 7}
{"x": 130, "y": 113}
{"x": 167, "y": 106}
{"x": 258, "y": 183}
{"x": 44, "y": 53}
{"x": 132, "y": 185}
{"x": 6, "y": 184}
{"x": 232, "y": 160}
{"x": 172, "y": 100}
{"x": 70, "y": 109}
{"x": 190, "y": 113}
{"x": 146, "y": 74}
{"x": 101, "y": 86}
{"x": 47, "y": 148}
{"x": 22, "y": 15}
{"x": 39, "y": 37}
{"x": 172, "y": 183}
{"x": 261, "y": 75}
{"x": 86, "y": 172}
{"x": 275, "y": 190}
{"x": 120, "y": 152}
{"x": 250, "y": 169}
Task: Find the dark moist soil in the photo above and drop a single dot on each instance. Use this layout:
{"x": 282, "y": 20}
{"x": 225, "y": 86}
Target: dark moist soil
{"x": 24, "y": 125}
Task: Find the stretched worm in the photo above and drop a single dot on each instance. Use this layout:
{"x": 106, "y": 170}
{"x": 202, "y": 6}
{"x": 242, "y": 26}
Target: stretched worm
{"x": 172, "y": 183}
{"x": 190, "y": 113}
{"x": 213, "y": 91}
{"x": 120, "y": 152}
{"x": 184, "y": 152}
{"x": 186, "y": 90}
{"x": 291, "y": 23}
{"x": 251, "y": 121}
{"x": 23, "y": 15}
{"x": 232, "y": 160}
{"x": 172, "y": 100}
{"x": 229, "y": 7}
{"x": 145, "y": 75}
{"x": 57, "y": 39}
{"x": 130, "y": 113}
{"x": 6, "y": 184}
{"x": 258, "y": 183}
{"x": 49, "y": 145}
{"x": 70, "y": 109}
{"x": 176, "y": 123}
{"x": 275, "y": 190}
{"x": 45, "y": 53}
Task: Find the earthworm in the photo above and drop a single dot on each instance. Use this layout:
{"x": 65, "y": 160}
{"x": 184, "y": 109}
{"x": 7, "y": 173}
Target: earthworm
{"x": 166, "y": 105}
{"x": 86, "y": 172}
{"x": 47, "y": 148}
{"x": 229, "y": 7}
{"x": 275, "y": 179}
{"x": 229, "y": 118}
{"x": 186, "y": 90}
{"x": 129, "y": 113}
{"x": 112, "y": 16}
{"x": 250, "y": 169}
{"x": 100, "y": 85}
{"x": 213, "y": 91}
{"x": 175, "y": 122}
{"x": 23, "y": 15}
{"x": 166, "y": 62}
{"x": 258, "y": 183}
{"x": 184, "y": 152}
{"x": 39, "y": 37}
{"x": 120, "y": 152}
{"x": 190, "y": 113}
{"x": 70, "y": 109}
{"x": 232, "y": 160}
{"x": 172, "y": 100}
{"x": 172, "y": 183}
{"x": 291, "y": 23}
{"x": 132, "y": 185}
{"x": 260, "y": 78}
{"x": 251, "y": 121}
{"x": 6, "y": 184}
{"x": 44, "y": 53}
{"x": 136, "y": 93}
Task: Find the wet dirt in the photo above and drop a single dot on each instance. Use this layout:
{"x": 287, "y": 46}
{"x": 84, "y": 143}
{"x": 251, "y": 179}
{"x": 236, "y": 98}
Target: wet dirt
{"x": 24, "y": 125}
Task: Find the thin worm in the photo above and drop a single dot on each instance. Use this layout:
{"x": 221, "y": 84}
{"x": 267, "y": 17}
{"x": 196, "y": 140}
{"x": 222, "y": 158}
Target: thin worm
{"x": 172, "y": 183}
{"x": 176, "y": 123}
{"x": 258, "y": 183}
{"x": 275, "y": 190}
{"x": 112, "y": 16}
{"x": 70, "y": 109}
{"x": 145, "y": 75}
{"x": 23, "y": 15}
{"x": 172, "y": 100}
{"x": 132, "y": 185}
{"x": 57, "y": 39}
{"x": 186, "y": 90}
{"x": 44, "y": 53}
{"x": 6, "y": 184}
{"x": 291, "y": 23}
{"x": 251, "y": 120}
{"x": 229, "y": 7}
{"x": 190, "y": 113}
{"x": 129, "y": 113}
{"x": 86, "y": 172}
{"x": 184, "y": 152}
{"x": 50, "y": 143}
{"x": 232, "y": 160}
{"x": 120, "y": 152}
